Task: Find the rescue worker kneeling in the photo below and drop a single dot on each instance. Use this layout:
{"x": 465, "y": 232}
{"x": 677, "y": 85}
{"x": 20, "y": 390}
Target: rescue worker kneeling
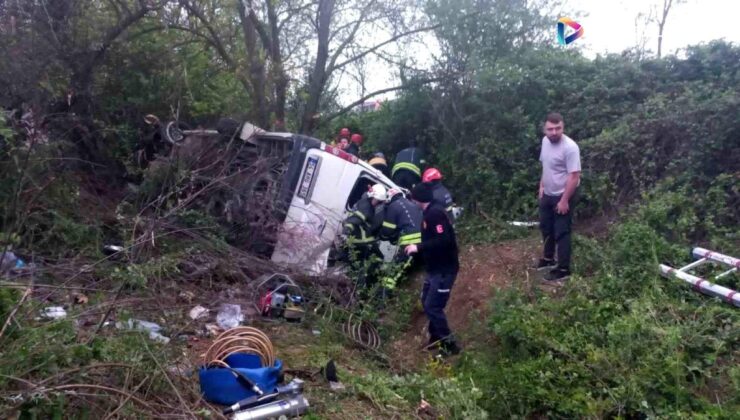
{"x": 401, "y": 226}
{"x": 361, "y": 228}
{"x": 438, "y": 248}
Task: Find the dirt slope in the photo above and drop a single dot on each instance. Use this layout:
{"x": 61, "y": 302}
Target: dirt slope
{"x": 484, "y": 270}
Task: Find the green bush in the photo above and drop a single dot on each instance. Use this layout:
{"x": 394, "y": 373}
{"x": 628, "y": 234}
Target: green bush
{"x": 623, "y": 342}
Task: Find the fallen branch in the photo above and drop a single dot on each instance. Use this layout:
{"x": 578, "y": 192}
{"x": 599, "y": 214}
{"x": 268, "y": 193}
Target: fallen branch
{"x": 15, "y": 309}
{"x": 127, "y": 399}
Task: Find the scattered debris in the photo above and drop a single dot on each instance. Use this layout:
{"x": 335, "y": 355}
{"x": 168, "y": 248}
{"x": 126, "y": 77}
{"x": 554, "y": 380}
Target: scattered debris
{"x": 316, "y": 332}
{"x": 113, "y": 249}
{"x": 10, "y": 261}
{"x": 80, "y": 299}
{"x": 336, "y": 386}
{"x": 230, "y": 316}
{"x": 187, "y": 296}
{"x": 150, "y": 327}
{"x": 179, "y": 370}
{"x": 523, "y": 224}
{"x": 197, "y": 312}
{"x": 425, "y": 410}
{"x": 213, "y": 329}
{"x": 54, "y": 312}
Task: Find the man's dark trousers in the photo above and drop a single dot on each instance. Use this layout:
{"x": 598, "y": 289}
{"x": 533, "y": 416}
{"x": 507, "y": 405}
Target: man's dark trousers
{"x": 434, "y": 296}
{"x": 556, "y": 229}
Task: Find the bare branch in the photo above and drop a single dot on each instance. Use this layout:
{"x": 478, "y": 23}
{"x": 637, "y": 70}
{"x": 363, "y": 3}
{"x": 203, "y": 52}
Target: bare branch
{"x": 350, "y": 38}
{"x": 380, "y": 92}
{"x": 382, "y": 44}
{"x": 214, "y": 38}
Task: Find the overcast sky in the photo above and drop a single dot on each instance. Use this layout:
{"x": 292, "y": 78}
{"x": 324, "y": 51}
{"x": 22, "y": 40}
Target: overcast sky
{"x": 609, "y": 27}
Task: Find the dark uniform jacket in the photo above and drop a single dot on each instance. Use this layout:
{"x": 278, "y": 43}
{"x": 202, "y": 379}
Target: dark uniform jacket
{"x": 438, "y": 242}
{"x": 402, "y": 221}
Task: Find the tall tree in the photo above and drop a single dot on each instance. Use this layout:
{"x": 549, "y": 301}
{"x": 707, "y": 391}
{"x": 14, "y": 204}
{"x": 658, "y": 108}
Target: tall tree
{"x": 73, "y": 35}
{"x": 307, "y": 42}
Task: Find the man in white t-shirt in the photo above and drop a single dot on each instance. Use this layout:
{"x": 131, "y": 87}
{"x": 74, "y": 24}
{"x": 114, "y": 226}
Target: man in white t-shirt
{"x": 561, "y": 175}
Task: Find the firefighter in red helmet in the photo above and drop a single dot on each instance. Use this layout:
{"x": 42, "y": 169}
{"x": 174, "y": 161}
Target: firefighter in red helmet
{"x": 441, "y": 195}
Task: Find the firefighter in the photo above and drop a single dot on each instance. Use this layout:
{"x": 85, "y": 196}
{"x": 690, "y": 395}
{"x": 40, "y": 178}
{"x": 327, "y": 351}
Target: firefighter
{"x": 439, "y": 251}
{"x": 406, "y": 170}
{"x": 355, "y": 142}
{"x": 441, "y": 195}
{"x": 378, "y": 162}
{"x": 402, "y": 220}
{"x": 361, "y": 229}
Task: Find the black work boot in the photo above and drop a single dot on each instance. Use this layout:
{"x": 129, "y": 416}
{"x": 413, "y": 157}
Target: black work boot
{"x": 557, "y": 275}
{"x": 545, "y": 264}
{"x": 449, "y": 347}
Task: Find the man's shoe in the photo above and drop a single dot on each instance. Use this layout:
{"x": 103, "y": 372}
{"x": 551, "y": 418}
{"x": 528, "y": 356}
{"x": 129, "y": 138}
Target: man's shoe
{"x": 449, "y": 348}
{"x": 558, "y": 274}
{"x": 544, "y": 264}
{"x": 433, "y": 346}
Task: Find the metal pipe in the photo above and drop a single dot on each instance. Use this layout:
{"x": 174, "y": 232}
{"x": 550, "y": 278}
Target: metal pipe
{"x": 702, "y": 285}
{"x": 291, "y": 407}
{"x": 716, "y": 256}
{"x": 693, "y": 265}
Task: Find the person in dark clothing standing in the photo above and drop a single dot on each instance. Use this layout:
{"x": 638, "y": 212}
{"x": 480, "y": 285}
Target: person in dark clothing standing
{"x": 438, "y": 248}
{"x": 406, "y": 171}
{"x": 561, "y": 175}
{"x": 441, "y": 195}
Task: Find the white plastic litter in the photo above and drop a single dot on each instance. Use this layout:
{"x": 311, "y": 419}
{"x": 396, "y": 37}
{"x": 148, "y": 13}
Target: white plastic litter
{"x": 150, "y": 327}
{"x": 523, "y": 224}
{"x": 198, "y": 312}
{"x": 230, "y": 316}
{"x": 54, "y": 312}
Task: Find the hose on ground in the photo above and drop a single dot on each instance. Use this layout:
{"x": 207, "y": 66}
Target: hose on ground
{"x": 240, "y": 340}
{"x": 361, "y": 332}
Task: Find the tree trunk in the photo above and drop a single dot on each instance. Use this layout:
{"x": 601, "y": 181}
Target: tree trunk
{"x": 318, "y": 75}
{"x": 280, "y": 79}
{"x": 259, "y": 113}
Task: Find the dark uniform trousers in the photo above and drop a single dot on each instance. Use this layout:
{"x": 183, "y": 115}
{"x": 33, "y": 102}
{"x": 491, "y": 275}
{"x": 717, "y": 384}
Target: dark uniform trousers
{"x": 434, "y": 296}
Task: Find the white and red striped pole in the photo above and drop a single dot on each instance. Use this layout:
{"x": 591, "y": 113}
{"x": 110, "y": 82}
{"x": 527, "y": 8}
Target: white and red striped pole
{"x": 716, "y": 256}
{"x": 703, "y": 285}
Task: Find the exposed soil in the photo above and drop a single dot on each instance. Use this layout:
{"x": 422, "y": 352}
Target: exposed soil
{"x": 485, "y": 269}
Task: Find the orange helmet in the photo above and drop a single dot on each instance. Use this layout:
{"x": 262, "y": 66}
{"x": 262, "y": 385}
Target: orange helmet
{"x": 431, "y": 174}
{"x": 344, "y": 132}
{"x": 356, "y": 139}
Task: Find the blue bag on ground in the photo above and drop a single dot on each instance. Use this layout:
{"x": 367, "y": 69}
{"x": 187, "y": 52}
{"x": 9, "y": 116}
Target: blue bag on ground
{"x": 221, "y": 386}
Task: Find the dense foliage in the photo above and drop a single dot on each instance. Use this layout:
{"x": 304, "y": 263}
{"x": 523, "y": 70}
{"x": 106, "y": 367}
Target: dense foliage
{"x": 660, "y": 146}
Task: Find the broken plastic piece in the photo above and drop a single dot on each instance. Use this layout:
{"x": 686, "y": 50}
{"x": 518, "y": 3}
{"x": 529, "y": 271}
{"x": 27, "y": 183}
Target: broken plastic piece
{"x": 524, "y": 224}
{"x": 113, "y": 249}
{"x": 54, "y": 312}
{"x": 198, "y": 312}
{"x": 230, "y": 316}
{"x": 150, "y": 327}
